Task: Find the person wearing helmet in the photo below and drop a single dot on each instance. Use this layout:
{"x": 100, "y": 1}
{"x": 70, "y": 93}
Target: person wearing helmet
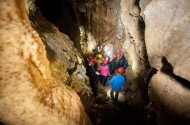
{"x": 92, "y": 74}
{"x": 104, "y": 72}
{"x": 122, "y": 60}
{"x": 99, "y": 61}
{"x": 90, "y": 58}
{"x": 100, "y": 56}
{"x": 117, "y": 82}
{"x": 113, "y": 64}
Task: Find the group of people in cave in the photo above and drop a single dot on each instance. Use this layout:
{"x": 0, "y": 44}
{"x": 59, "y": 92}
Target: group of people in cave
{"x": 108, "y": 70}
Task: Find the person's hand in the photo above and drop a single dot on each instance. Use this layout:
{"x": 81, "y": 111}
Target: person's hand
{"x": 97, "y": 73}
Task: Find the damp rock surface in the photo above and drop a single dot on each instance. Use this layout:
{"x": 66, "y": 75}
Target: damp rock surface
{"x": 167, "y": 43}
{"x": 171, "y": 99}
{"x": 66, "y": 63}
{"x": 28, "y": 92}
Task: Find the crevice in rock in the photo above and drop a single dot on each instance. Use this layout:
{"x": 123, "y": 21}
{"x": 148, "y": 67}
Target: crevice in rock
{"x": 151, "y": 114}
{"x": 71, "y": 71}
{"x": 167, "y": 68}
{"x": 152, "y": 71}
{"x": 149, "y": 107}
{"x": 63, "y": 15}
{"x": 142, "y": 26}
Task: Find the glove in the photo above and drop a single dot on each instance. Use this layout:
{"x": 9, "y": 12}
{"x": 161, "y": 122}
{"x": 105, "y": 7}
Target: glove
{"x": 97, "y": 73}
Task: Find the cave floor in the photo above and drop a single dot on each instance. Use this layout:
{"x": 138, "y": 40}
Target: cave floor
{"x": 120, "y": 113}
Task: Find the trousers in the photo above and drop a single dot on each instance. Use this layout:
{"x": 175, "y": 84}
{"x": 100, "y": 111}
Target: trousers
{"x": 114, "y": 98}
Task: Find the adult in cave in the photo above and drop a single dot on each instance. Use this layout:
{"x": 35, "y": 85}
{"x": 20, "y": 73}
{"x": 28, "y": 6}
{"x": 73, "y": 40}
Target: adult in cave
{"x": 92, "y": 74}
{"x": 117, "y": 82}
{"x": 99, "y": 61}
{"x": 104, "y": 72}
{"x": 122, "y": 61}
{"x": 113, "y": 64}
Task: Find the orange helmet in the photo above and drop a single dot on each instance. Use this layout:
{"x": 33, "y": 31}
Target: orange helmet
{"x": 114, "y": 55}
{"x": 105, "y": 62}
{"x": 120, "y": 70}
{"x": 121, "y": 53}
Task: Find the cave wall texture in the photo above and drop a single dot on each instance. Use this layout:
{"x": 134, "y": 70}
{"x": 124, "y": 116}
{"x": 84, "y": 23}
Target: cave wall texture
{"x": 167, "y": 40}
{"x": 34, "y": 82}
{"x": 29, "y": 94}
{"x": 67, "y": 64}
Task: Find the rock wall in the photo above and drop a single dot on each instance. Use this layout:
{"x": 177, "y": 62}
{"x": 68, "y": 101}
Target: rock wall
{"x": 67, "y": 64}
{"x": 62, "y": 14}
{"x": 134, "y": 46}
{"x": 29, "y": 94}
{"x": 167, "y": 40}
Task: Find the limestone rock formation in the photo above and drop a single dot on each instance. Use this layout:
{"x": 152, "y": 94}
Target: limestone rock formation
{"x": 142, "y": 5}
{"x": 134, "y": 46}
{"x": 67, "y": 64}
{"x": 171, "y": 100}
{"x": 167, "y": 40}
{"x": 28, "y": 92}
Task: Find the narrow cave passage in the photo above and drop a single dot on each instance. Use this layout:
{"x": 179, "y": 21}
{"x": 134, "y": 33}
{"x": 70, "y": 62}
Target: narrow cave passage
{"x": 69, "y": 17}
{"x": 61, "y": 60}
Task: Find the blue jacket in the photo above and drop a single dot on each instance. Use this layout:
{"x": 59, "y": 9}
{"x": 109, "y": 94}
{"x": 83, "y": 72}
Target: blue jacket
{"x": 117, "y": 82}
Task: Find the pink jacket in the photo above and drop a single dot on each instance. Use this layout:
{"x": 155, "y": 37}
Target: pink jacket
{"x": 104, "y": 70}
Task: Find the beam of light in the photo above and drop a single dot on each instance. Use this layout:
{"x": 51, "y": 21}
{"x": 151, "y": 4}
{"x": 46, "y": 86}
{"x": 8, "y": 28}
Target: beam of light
{"x": 108, "y": 50}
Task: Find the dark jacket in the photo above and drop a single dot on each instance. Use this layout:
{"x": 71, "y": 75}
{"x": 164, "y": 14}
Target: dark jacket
{"x": 113, "y": 66}
{"x": 93, "y": 77}
{"x": 123, "y": 62}
{"x": 91, "y": 72}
